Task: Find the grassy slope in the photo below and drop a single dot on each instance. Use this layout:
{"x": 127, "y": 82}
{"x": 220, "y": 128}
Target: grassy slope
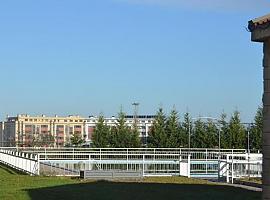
{"x": 14, "y": 186}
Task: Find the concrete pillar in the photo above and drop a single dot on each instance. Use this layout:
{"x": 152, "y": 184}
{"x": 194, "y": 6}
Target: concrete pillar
{"x": 266, "y": 120}
{"x": 260, "y": 32}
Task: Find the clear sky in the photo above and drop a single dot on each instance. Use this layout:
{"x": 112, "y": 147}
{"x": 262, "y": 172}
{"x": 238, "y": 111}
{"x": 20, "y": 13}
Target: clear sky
{"x": 90, "y": 56}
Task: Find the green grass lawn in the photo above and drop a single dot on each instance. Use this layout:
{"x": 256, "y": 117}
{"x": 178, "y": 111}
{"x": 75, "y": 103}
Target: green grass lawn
{"x": 15, "y": 186}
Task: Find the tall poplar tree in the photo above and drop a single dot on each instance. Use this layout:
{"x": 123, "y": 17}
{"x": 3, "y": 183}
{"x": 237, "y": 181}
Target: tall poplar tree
{"x": 224, "y": 135}
{"x": 123, "y": 136}
{"x": 185, "y": 129}
{"x": 211, "y": 134}
{"x": 173, "y": 130}
{"x": 135, "y": 141}
{"x": 199, "y": 135}
{"x": 101, "y": 134}
{"x": 120, "y": 133}
{"x": 257, "y": 130}
{"x": 157, "y": 136}
{"x": 236, "y": 137}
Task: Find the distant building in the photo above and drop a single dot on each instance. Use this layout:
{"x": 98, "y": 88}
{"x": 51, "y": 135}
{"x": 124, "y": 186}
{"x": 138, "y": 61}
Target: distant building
{"x": 24, "y": 130}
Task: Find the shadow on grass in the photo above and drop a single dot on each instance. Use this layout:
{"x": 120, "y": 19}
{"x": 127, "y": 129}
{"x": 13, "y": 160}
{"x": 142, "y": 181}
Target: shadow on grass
{"x": 11, "y": 170}
{"x": 103, "y": 190}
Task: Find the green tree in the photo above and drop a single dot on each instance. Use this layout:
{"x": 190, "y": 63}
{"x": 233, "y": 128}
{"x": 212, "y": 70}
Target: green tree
{"x": 101, "y": 134}
{"x": 257, "y": 130}
{"x": 134, "y": 137}
{"x": 173, "y": 130}
{"x": 120, "y": 132}
{"x": 123, "y": 136}
{"x": 157, "y": 136}
{"x": 236, "y": 132}
{"x": 186, "y": 127}
{"x": 76, "y": 140}
{"x": 224, "y": 133}
{"x": 199, "y": 135}
{"x": 211, "y": 134}
{"x": 43, "y": 140}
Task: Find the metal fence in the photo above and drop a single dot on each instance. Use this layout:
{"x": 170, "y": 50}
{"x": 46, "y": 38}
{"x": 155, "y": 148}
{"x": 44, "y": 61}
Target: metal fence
{"x": 236, "y": 166}
{"x": 201, "y": 163}
{"x": 21, "y": 161}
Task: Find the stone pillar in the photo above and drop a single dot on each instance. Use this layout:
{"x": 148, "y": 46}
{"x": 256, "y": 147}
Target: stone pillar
{"x": 266, "y": 121}
{"x": 260, "y": 32}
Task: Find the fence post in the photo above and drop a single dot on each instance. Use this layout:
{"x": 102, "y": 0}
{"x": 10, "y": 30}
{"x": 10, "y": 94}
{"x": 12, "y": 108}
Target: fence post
{"x": 180, "y": 160}
{"x": 206, "y": 157}
{"x": 143, "y": 165}
{"x": 38, "y": 165}
{"x": 248, "y": 165}
{"x": 227, "y": 169}
{"x": 189, "y": 166}
{"x": 232, "y": 169}
{"x": 127, "y": 159}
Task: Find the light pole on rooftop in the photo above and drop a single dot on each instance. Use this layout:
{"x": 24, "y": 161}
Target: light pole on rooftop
{"x": 136, "y": 108}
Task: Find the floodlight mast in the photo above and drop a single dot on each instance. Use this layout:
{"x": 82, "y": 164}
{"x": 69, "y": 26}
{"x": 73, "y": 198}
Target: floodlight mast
{"x": 136, "y": 110}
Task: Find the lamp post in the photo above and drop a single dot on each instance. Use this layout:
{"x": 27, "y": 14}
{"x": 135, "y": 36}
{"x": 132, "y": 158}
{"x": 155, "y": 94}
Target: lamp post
{"x": 189, "y": 134}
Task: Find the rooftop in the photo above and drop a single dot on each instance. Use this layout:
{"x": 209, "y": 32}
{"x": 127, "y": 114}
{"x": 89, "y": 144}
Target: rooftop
{"x": 261, "y": 22}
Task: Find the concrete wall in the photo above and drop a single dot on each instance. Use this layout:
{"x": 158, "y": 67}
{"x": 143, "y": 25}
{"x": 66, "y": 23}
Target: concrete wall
{"x": 266, "y": 122}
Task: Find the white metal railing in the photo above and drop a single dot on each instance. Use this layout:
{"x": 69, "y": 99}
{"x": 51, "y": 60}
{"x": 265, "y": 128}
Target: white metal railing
{"x": 236, "y": 166}
{"x": 214, "y": 163}
{"x": 28, "y": 163}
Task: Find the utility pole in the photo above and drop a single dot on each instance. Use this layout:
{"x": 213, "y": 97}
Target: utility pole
{"x": 136, "y": 109}
{"x": 135, "y": 116}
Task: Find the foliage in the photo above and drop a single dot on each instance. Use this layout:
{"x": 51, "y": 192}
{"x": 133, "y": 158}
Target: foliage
{"x": 170, "y": 132}
{"x": 157, "y": 136}
{"x": 212, "y": 134}
{"x": 123, "y": 136}
{"x": 173, "y": 130}
{"x": 199, "y": 135}
{"x": 223, "y": 131}
{"x": 134, "y": 137}
{"x": 186, "y": 127}
{"x": 76, "y": 140}
{"x": 101, "y": 134}
{"x": 236, "y": 137}
{"x": 43, "y": 140}
{"x": 257, "y": 130}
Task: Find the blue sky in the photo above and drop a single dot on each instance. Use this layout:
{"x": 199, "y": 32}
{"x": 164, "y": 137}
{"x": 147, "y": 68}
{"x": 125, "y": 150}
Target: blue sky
{"x": 86, "y": 57}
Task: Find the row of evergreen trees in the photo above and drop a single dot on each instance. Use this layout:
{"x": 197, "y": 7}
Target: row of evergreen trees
{"x": 170, "y": 132}
{"x": 118, "y": 136}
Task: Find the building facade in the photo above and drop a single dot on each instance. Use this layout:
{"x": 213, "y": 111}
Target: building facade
{"x": 26, "y": 130}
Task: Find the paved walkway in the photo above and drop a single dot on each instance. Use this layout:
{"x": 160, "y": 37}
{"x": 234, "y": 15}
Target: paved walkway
{"x": 251, "y": 188}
